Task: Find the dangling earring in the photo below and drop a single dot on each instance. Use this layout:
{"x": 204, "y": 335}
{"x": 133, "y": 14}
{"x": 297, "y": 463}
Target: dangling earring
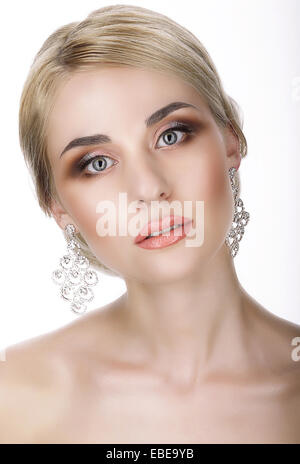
{"x": 240, "y": 217}
{"x": 73, "y": 276}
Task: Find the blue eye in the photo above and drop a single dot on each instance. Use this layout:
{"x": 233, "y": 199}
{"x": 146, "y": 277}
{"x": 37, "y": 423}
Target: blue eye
{"x": 99, "y": 163}
{"x": 177, "y": 127}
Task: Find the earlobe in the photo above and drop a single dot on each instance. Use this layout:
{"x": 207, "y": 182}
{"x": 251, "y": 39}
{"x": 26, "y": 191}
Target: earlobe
{"x": 59, "y": 214}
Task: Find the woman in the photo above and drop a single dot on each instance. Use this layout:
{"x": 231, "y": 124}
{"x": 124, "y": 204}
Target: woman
{"x": 128, "y": 101}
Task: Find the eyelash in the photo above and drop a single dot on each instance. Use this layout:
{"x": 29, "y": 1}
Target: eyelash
{"x": 176, "y": 127}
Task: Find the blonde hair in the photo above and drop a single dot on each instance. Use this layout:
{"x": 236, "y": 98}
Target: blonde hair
{"x": 126, "y": 35}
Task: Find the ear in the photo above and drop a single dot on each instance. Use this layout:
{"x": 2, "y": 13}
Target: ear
{"x": 232, "y": 147}
{"x": 60, "y": 215}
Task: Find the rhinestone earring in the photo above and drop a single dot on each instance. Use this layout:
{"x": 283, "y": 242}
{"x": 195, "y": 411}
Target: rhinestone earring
{"x": 240, "y": 217}
{"x": 74, "y": 275}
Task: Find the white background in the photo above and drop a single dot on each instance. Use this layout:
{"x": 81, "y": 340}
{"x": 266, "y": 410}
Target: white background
{"x": 255, "y": 45}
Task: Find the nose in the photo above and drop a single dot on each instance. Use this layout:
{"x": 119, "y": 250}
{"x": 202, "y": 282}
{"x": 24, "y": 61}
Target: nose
{"x": 148, "y": 181}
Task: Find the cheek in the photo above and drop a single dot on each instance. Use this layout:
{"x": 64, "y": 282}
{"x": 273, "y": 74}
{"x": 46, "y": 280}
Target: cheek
{"x": 212, "y": 186}
{"x": 93, "y": 224}
{"x": 207, "y": 180}
{"x": 82, "y": 207}
{"x": 219, "y": 201}
{"x": 82, "y": 201}
{"x": 213, "y": 181}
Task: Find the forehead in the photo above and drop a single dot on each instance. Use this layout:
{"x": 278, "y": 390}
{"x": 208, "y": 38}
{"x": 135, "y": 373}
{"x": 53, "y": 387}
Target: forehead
{"x": 105, "y": 98}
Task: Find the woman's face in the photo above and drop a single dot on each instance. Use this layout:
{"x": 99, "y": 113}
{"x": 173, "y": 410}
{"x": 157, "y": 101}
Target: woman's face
{"x": 136, "y": 159}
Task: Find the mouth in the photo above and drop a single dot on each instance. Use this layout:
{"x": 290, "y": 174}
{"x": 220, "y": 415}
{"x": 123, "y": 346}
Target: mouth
{"x": 157, "y": 228}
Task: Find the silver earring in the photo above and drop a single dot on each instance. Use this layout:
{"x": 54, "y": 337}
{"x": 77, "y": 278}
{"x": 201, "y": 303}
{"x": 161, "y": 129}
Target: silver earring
{"x": 74, "y": 275}
{"x": 240, "y": 217}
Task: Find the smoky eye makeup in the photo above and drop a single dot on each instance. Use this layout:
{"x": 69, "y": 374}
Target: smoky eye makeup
{"x": 83, "y": 162}
{"x": 186, "y": 126}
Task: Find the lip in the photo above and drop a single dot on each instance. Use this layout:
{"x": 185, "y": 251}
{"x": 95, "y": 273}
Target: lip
{"x": 162, "y": 241}
{"x": 156, "y": 226}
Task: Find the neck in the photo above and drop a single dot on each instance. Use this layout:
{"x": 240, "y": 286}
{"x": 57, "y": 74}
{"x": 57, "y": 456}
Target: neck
{"x": 187, "y": 327}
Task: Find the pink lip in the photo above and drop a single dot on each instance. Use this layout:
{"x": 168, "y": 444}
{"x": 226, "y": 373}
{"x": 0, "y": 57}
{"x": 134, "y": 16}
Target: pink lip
{"x": 162, "y": 241}
{"x": 156, "y": 226}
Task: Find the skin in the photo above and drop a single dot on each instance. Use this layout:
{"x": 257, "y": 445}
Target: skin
{"x": 186, "y": 355}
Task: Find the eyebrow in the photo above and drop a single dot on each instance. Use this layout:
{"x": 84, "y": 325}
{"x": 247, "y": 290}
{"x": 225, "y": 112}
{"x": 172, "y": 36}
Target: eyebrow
{"x": 102, "y": 138}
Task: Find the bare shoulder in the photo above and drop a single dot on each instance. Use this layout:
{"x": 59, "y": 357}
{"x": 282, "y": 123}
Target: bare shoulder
{"x": 38, "y": 375}
{"x": 277, "y": 346}
{"x": 32, "y": 382}
{"x": 39, "y": 357}
{"x": 279, "y": 333}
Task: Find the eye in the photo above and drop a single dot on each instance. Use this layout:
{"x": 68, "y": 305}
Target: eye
{"x": 176, "y": 128}
{"x": 99, "y": 163}
{"x": 96, "y": 163}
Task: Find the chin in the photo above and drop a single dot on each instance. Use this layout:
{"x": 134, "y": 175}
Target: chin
{"x": 165, "y": 268}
